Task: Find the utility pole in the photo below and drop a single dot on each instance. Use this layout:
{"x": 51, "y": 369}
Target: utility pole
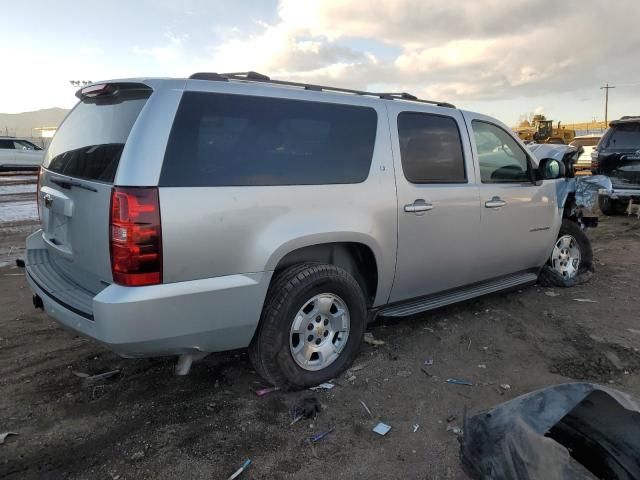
{"x": 606, "y": 103}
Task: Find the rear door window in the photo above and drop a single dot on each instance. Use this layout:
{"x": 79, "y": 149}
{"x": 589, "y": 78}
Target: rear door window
{"x": 225, "y": 140}
{"x": 430, "y": 148}
{"x": 6, "y": 144}
{"x": 90, "y": 141}
{"x": 624, "y": 136}
{"x": 500, "y": 157}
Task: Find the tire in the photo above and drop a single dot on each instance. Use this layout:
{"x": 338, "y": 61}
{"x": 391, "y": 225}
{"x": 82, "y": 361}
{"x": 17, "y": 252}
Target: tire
{"x": 308, "y": 286}
{"x": 609, "y": 206}
{"x": 551, "y": 276}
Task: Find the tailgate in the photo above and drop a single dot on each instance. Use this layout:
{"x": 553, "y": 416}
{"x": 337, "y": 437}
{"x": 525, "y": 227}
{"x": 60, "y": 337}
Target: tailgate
{"x": 77, "y": 179}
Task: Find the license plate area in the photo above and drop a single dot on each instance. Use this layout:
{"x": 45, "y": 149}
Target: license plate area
{"x": 57, "y": 213}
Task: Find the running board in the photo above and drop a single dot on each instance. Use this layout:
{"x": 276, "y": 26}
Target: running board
{"x": 459, "y": 295}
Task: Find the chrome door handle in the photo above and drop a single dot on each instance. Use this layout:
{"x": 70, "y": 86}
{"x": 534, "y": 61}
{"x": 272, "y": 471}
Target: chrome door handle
{"x": 419, "y": 207}
{"x": 495, "y": 202}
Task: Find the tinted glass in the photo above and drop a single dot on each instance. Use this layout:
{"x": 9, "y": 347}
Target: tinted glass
{"x": 6, "y": 144}
{"x": 22, "y": 145}
{"x": 90, "y": 141}
{"x": 500, "y": 157}
{"x": 624, "y": 136}
{"x": 220, "y": 140}
{"x": 430, "y": 148}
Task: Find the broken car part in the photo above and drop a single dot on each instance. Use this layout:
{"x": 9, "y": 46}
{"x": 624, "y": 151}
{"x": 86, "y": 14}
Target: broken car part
{"x": 541, "y": 436}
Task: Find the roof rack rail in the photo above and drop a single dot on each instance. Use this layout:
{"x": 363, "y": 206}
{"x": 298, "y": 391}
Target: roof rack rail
{"x": 252, "y": 76}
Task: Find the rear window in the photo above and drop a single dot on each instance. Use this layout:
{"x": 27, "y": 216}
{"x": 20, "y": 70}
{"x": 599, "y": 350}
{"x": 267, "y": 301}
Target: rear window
{"x": 225, "y": 140}
{"x": 430, "y": 148}
{"x": 585, "y": 142}
{"x": 624, "y": 136}
{"x": 90, "y": 141}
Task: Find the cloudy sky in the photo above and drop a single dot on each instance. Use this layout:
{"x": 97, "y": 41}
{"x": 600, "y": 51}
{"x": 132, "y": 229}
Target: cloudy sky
{"x": 500, "y": 57}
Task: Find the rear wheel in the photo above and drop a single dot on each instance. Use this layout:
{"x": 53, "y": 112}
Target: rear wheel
{"x": 571, "y": 260}
{"x": 311, "y": 326}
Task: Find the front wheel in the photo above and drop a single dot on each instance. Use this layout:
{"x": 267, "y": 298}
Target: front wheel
{"x": 311, "y": 327}
{"x": 571, "y": 260}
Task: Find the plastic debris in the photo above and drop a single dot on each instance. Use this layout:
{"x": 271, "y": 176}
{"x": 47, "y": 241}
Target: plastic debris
{"x": 3, "y": 436}
{"x": 323, "y": 386}
{"x": 482, "y": 365}
{"x": 428, "y": 361}
{"x": 366, "y": 408}
{"x": 584, "y": 300}
{"x": 320, "y": 436}
{"x": 264, "y": 391}
{"x": 381, "y": 428}
{"x": 458, "y": 381}
{"x": 551, "y": 293}
{"x": 455, "y": 430}
{"x": 237, "y": 473}
{"x": 415, "y": 427}
{"x": 307, "y": 408}
{"x": 505, "y": 386}
{"x": 368, "y": 338}
{"x": 451, "y": 418}
{"x": 94, "y": 378}
{"x": 426, "y": 372}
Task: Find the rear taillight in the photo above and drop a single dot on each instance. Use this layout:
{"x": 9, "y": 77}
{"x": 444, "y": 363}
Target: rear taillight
{"x": 135, "y": 236}
{"x": 38, "y": 192}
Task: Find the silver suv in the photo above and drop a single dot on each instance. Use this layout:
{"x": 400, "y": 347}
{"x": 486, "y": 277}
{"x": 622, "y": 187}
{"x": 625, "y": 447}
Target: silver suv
{"x": 188, "y": 216}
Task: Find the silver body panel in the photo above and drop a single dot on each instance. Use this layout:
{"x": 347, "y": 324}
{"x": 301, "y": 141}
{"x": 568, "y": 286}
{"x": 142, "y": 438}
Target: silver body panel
{"x": 221, "y": 245}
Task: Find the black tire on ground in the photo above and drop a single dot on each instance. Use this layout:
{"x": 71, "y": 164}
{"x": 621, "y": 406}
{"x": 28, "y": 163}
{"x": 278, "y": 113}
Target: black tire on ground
{"x": 550, "y": 278}
{"x": 609, "y": 207}
{"x": 269, "y": 350}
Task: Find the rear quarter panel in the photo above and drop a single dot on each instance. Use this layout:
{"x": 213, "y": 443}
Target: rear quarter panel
{"x": 215, "y": 231}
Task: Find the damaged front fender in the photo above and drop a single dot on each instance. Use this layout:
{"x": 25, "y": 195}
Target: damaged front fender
{"x": 574, "y": 194}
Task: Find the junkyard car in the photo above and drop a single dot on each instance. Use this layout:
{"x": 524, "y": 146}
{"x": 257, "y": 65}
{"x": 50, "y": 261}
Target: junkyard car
{"x": 17, "y": 153}
{"x": 187, "y": 216}
{"x": 588, "y": 144}
{"x": 618, "y": 156}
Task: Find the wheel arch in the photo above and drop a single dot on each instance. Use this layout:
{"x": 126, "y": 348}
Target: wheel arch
{"x": 353, "y": 255}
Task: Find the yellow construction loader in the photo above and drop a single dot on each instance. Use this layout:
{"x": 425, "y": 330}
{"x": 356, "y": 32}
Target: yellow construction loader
{"x": 542, "y": 131}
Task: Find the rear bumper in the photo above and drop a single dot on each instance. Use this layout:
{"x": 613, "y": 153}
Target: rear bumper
{"x": 621, "y": 193}
{"x": 207, "y": 315}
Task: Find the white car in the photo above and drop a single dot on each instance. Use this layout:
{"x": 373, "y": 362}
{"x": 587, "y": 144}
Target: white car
{"x": 588, "y": 143}
{"x": 19, "y": 154}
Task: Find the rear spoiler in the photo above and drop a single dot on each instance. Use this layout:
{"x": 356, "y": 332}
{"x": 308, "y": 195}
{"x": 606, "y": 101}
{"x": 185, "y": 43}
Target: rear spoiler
{"x": 107, "y": 89}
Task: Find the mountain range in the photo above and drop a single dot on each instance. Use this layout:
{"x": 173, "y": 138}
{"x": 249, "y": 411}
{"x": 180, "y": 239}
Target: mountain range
{"x": 21, "y": 124}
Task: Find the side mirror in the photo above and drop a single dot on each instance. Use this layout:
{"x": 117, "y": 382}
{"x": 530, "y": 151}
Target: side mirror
{"x": 550, "y": 169}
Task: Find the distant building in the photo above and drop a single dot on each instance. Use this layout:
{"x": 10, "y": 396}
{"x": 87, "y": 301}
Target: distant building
{"x": 45, "y": 132}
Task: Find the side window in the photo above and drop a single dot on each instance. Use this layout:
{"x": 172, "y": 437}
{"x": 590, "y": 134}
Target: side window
{"x": 6, "y": 144}
{"x": 430, "y": 148}
{"x": 20, "y": 145}
{"x": 224, "y": 140}
{"x": 501, "y": 159}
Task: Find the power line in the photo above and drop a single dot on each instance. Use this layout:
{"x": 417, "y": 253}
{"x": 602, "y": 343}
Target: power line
{"x": 606, "y": 89}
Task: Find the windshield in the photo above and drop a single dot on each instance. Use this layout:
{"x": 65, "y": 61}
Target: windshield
{"x": 90, "y": 141}
{"x": 624, "y": 136}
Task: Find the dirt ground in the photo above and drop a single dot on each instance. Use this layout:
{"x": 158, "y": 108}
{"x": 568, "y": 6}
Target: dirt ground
{"x": 148, "y": 423}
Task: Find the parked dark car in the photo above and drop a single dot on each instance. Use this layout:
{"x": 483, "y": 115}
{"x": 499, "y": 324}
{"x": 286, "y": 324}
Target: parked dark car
{"x": 618, "y": 156}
